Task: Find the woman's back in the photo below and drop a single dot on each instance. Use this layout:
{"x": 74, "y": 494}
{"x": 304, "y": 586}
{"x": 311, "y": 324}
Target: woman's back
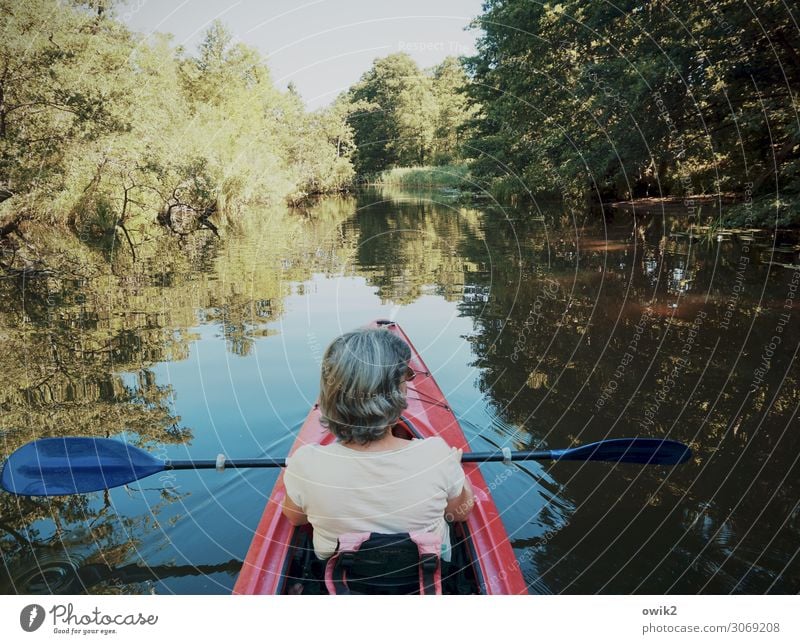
{"x": 348, "y": 490}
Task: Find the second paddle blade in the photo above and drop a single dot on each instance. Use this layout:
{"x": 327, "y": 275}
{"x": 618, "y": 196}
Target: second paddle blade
{"x": 72, "y": 465}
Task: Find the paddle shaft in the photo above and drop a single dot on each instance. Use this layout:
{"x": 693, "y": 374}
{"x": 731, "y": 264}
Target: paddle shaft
{"x": 468, "y": 457}
{"x": 495, "y": 457}
{"x": 471, "y": 457}
{"x": 239, "y": 463}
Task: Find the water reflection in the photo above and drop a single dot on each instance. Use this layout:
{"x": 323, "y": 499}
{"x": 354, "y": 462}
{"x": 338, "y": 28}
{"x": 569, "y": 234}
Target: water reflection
{"x": 542, "y": 332}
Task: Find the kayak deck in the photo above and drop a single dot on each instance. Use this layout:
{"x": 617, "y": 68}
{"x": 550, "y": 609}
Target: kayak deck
{"x": 483, "y": 560}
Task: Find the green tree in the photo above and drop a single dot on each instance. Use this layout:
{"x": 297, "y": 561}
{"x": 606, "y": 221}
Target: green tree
{"x": 56, "y": 92}
{"x": 109, "y": 133}
{"x": 636, "y": 98}
{"x": 397, "y": 126}
{"x": 450, "y": 84}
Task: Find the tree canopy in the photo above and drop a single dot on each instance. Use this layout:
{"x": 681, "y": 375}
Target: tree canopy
{"x": 101, "y": 128}
{"x": 637, "y": 98}
{"x": 405, "y": 116}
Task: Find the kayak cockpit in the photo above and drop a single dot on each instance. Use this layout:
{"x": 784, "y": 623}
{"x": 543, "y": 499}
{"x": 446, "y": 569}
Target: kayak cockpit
{"x": 304, "y": 574}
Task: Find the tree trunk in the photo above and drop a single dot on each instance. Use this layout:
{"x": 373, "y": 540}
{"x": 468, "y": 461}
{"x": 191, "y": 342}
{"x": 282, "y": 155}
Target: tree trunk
{"x": 2, "y": 111}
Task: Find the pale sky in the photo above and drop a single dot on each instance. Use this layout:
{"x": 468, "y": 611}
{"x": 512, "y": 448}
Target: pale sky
{"x": 324, "y": 46}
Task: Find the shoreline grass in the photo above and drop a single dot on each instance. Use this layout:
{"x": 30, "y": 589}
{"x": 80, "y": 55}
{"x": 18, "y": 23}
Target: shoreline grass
{"x": 445, "y": 176}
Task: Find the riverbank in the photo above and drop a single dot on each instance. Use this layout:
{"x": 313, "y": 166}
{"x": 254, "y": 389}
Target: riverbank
{"x": 726, "y": 210}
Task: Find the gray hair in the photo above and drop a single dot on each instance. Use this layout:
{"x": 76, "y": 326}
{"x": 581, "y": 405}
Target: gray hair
{"x": 360, "y": 392}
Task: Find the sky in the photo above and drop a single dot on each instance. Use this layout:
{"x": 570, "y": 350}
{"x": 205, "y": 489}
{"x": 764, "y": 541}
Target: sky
{"x": 323, "y": 46}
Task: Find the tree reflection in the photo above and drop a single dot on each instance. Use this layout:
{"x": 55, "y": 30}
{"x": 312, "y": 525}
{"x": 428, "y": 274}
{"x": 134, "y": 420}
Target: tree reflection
{"x": 604, "y": 331}
{"x": 81, "y": 342}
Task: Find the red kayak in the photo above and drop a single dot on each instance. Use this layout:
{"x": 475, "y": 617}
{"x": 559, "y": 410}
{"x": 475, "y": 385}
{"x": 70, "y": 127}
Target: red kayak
{"x": 279, "y": 553}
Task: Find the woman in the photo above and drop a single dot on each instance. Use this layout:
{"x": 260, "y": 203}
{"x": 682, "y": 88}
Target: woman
{"x": 370, "y": 480}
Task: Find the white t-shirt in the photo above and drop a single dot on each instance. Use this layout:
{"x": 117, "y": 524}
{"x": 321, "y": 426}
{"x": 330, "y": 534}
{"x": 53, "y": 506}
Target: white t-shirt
{"x": 344, "y": 490}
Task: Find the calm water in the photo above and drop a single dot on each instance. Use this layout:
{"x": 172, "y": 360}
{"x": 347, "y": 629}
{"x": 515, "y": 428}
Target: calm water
{"x": 543, "y": 328}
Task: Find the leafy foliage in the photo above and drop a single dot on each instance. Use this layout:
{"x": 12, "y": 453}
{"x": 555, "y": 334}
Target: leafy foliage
{"x": 103, "y": 129}
{"x": 636, "y": 99}
{"x": 408, "y": 117}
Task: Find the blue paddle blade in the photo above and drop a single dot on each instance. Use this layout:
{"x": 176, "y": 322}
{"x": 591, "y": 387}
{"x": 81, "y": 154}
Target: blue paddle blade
{"x": 72, "y": 465}
{"x": 649, "y": 451}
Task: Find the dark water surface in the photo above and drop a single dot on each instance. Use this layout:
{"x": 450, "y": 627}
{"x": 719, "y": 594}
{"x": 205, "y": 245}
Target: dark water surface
{"x": 544, "y": 328}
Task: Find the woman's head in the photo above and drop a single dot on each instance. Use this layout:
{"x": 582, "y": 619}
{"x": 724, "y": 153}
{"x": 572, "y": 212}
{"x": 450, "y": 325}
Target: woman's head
{"x": 360, "y": 387}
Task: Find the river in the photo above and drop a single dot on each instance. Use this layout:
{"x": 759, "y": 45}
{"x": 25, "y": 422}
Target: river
{"x": 544, "y": 327}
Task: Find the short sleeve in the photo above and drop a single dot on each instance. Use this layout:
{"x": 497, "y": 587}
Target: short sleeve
{"x": 454, "y": 474}
{"x": 293, "y": 479}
